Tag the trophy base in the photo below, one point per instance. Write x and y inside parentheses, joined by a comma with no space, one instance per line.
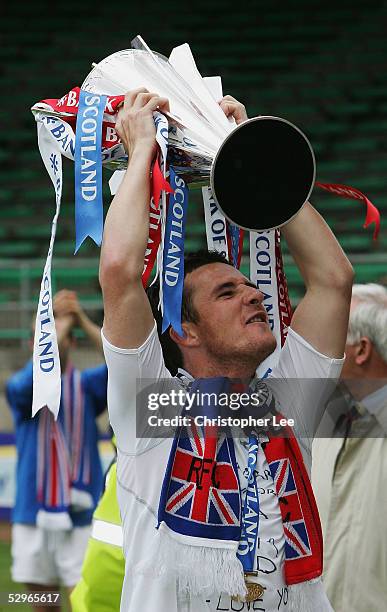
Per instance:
(263,173)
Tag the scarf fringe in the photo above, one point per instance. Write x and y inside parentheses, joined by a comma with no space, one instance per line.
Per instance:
(199,570)
(308,596)
(54,521)
(80,500)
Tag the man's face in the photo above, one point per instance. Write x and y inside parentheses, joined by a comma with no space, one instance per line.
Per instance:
(233,322)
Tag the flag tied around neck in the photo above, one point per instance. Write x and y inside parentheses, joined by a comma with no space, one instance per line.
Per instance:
(201,514)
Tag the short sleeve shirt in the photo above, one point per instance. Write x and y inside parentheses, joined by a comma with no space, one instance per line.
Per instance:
(141,467)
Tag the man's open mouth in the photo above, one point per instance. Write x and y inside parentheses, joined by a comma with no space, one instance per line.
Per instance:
(257,318)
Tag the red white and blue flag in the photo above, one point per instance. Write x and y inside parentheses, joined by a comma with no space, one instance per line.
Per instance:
(296,536)
(300,519)
(200,503)
(201,495)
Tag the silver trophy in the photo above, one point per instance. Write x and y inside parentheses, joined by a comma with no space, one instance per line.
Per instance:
(260,172)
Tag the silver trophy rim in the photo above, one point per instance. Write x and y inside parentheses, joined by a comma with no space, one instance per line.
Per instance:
(115,54)
(250,120)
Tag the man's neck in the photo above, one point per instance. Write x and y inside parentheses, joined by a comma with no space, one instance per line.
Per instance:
(362,387)
(212,369)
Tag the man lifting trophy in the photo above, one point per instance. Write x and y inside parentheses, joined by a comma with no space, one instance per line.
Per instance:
(211,519)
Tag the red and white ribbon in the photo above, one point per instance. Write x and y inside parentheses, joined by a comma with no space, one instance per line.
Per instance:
(344,191)
(160,187)
(267,273)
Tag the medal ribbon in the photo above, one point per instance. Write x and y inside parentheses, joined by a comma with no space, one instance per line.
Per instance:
(88,168)
(173,256)
(283,300)
(159,183)
(159,196)
(235,236)
(250,512)
(154,240)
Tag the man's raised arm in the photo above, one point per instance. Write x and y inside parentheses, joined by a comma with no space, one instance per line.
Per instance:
(322,315)
(128,316)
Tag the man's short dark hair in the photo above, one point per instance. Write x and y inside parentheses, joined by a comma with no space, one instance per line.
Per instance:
(172,354)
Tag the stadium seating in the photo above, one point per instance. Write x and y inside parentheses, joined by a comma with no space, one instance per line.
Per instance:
(320,65)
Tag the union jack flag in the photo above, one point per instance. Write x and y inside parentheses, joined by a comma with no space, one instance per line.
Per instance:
(297,543)
(202,497)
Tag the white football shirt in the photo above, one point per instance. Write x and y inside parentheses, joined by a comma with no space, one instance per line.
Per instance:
(141,465)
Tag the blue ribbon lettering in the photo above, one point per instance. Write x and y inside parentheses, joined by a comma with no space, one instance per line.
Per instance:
(173,256)
(234,232)
(250,514)
(88,168)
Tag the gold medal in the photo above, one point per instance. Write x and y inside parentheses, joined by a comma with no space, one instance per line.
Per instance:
(254,590)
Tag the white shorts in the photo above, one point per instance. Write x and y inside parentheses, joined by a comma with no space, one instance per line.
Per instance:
(47,557)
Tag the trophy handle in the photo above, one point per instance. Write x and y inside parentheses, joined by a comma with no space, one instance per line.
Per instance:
(263,173)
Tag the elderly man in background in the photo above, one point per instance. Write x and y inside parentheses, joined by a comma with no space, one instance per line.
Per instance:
(350,468)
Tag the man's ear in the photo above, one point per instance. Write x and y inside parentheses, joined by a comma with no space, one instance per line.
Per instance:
(363,351)
(189,338)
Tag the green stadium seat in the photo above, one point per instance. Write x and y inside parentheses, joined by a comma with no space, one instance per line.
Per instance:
(6,200)
(14,334)
(339,166)
(39,194)
(322,69)
(328,130)
(372,126)
(21,248)
(193,244)
(33,231)
(351,108)
(355,146)
(21,173)
(4,297)
(4,155)
(20,136)
(370,273)
(74,276)
(357,243)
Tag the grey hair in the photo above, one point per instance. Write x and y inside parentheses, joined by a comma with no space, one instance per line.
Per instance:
(369,316)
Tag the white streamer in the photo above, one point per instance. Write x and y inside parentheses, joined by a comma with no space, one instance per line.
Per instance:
(46,364)
(216,232)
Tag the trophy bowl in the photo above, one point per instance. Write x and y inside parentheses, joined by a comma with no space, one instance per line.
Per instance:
(261,172)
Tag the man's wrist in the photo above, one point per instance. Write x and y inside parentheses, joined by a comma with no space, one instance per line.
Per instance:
(143,153)
(64,324)
(82,319)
